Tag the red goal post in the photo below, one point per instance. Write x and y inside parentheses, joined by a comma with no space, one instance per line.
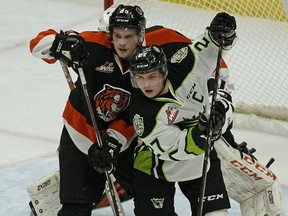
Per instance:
(107,3)
(258,62)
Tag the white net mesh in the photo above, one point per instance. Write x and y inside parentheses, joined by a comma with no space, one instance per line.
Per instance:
(258,62)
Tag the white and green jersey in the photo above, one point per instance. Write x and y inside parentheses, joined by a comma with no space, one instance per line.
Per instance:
(165,124)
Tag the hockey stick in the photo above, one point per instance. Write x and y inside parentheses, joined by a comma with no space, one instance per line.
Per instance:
(67,76)
(209,132)
(110,189)
(115,204)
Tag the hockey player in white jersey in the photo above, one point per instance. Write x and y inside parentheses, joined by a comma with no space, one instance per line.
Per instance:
(169,114)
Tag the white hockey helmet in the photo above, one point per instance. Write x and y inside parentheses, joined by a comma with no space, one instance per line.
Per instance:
(104,20)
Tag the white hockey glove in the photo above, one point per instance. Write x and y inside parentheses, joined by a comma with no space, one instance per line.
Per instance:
(225,98)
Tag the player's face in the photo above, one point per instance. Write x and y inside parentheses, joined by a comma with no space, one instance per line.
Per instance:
(125,41)
(151,84)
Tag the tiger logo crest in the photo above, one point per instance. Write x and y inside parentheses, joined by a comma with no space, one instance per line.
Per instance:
(111,101)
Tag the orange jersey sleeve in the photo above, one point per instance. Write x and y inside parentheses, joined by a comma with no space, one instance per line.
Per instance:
(40,45)
(162,36)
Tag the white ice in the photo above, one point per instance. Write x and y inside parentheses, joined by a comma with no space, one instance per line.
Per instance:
(33,95)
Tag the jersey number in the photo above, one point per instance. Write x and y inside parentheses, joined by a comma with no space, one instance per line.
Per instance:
(158,147)
(201,44)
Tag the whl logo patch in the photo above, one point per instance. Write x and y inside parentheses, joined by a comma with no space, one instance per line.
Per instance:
(106,68)
(158,202)
(172,113)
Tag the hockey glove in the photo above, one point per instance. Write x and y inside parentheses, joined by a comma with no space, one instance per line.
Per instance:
(104,159)
(218,121)
(223,26)
(70,49)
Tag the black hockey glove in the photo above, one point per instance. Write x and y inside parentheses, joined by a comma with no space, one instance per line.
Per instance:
(218,121)
(223,26)
(70,49)
(104,159)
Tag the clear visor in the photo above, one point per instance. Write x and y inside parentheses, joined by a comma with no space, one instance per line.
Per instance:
(150,79)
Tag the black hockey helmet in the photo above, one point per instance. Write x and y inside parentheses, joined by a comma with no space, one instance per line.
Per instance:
(147,59)
(127,16)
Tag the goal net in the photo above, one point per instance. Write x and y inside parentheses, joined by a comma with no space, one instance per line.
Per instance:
(258,62)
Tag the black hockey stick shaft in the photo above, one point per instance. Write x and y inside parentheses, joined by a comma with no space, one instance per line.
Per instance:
(115,204)
(110,189)
(209,133)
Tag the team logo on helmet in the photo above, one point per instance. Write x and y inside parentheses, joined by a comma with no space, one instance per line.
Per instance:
(111,101)
(138,124)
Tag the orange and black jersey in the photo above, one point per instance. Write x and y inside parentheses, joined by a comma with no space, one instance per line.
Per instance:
(169,40)
(108,84)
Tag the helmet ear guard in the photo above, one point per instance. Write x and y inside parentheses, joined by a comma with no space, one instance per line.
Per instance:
(147,59)
(127,16)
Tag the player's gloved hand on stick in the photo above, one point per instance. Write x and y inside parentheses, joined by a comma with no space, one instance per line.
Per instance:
(70,49)
(218,120)
(223,26)
(104,159)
